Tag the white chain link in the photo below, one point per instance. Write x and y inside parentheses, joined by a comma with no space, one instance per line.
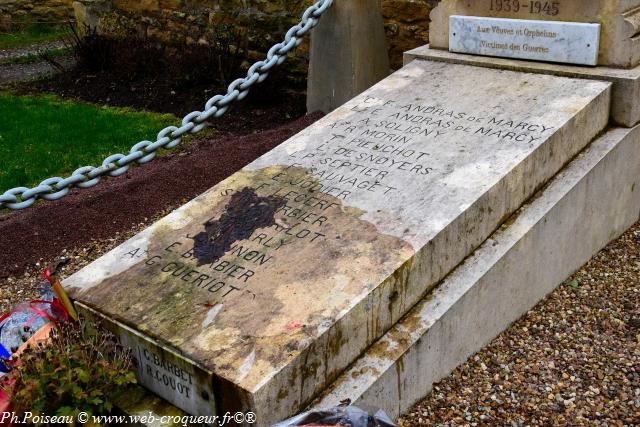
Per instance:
(145,151)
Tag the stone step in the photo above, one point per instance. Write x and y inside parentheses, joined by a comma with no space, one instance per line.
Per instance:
(142,408)
(257,294)
(625,91)
(591,202)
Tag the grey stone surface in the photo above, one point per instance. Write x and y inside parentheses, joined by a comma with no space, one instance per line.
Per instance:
(148,409)
(566,42)
(591,202)
(88,12)
(625,95)
(348,54)
(275,280)
(160,368)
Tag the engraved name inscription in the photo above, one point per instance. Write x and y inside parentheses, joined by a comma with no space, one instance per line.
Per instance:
(382,142)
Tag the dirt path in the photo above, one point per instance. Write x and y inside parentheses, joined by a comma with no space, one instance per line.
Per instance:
(22,52)
(34,70)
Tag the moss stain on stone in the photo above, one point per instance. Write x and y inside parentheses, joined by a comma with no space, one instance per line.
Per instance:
(308,283)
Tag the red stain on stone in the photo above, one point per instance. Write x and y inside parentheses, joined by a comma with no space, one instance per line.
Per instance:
(293,325)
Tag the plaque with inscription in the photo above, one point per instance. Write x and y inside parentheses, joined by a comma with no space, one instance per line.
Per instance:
(619,44)
(273,281)
(566,42)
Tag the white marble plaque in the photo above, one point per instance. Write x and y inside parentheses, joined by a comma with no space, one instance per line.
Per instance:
(567,42)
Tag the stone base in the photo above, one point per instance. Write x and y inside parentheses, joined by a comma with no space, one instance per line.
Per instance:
(625,96)
(344,64)
(143,408)
(160,368)
(257,294)
(591,202)
(88,13)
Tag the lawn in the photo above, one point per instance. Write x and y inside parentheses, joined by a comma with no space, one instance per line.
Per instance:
(38,33)
(44,136)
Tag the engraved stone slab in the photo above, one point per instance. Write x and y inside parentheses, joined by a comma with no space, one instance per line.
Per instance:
(272,282)
(567,42)
(543,244)
(620,21)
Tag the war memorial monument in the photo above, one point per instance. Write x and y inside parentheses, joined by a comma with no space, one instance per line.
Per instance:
(369,255)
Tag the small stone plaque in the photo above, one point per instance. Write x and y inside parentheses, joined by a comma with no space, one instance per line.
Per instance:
(567,42)
(161,369)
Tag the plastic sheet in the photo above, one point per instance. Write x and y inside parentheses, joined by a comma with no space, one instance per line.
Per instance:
(350,416)
(25,320)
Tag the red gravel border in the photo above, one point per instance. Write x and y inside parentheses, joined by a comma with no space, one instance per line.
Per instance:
(117,204)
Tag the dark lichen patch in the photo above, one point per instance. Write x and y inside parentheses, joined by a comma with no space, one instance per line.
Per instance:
(242,216)
(283,393)
(335,342)
(365,370)
(309,281)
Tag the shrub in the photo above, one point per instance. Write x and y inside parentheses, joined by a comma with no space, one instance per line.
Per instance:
(92,51)
(135,57)
(228,48)
(82,368)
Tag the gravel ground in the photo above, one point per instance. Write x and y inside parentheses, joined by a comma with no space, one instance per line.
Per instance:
(16,289)
(34,70)
(14,73)
(30,50)
(573,360)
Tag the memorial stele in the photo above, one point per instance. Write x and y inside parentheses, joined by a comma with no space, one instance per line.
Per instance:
(619,20)
(257,294)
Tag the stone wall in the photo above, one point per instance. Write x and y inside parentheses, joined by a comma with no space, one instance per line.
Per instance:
(406,25)
(191,21)
(21,12)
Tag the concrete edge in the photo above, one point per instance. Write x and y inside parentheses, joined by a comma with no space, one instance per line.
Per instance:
(148,409)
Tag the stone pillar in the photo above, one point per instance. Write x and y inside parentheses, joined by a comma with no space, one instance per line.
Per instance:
(348,54)
(5,22)
(88,13)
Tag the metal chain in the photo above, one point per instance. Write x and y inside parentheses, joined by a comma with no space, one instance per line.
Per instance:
(143,152)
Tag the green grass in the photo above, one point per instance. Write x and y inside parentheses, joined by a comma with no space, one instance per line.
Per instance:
(44,136)
(38,33)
